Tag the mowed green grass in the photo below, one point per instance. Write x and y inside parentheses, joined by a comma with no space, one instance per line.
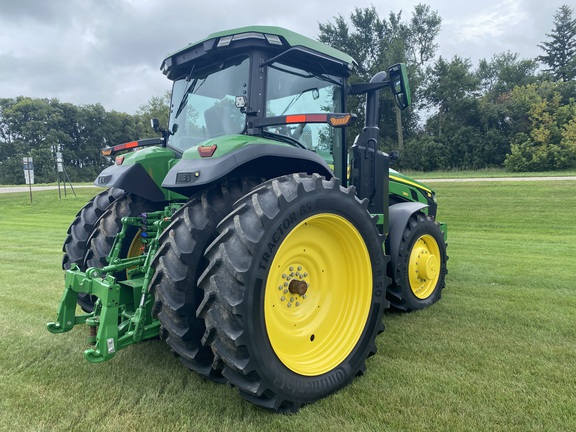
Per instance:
(497,353)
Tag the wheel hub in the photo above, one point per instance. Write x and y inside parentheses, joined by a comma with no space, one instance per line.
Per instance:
(427,266)
(298,287)
(294,287)
(424,266)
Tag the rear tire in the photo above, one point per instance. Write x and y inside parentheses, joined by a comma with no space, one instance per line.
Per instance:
(76,244)
(421,265)
(179,263)
(110,224)
(294,291)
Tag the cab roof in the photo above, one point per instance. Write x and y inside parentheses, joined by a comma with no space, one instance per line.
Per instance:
(276,40)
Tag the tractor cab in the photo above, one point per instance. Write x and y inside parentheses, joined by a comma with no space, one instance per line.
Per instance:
(270,84)
(258,81)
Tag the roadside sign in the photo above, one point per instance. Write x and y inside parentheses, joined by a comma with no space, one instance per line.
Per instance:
(28,170)
(59,162)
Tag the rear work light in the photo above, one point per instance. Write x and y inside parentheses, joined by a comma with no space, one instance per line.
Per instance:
(333,119)
(111,151)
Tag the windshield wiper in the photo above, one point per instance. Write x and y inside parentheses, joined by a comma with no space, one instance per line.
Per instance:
(184,101)
(284,138)
(295,98)
(189,88)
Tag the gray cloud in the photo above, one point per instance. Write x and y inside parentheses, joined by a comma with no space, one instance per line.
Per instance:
(109,51)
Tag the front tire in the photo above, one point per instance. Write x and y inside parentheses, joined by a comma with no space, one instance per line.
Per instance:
(294,292)
(421,265)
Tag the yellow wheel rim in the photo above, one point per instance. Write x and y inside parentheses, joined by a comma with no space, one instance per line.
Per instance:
(318,294)
(424,266)
(136,249)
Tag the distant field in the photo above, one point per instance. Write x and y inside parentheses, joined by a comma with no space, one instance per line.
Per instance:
(497,353)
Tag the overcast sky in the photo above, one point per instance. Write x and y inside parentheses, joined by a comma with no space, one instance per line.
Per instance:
(109,51)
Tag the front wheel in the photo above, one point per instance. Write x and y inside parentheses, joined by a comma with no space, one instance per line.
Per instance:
(294,291)
(420,266)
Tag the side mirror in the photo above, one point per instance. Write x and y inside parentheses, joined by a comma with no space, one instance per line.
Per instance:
(155,124)
(399,85)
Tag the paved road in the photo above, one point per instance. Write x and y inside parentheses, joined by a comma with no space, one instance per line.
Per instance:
(497,179)
(455,180)
(39,188)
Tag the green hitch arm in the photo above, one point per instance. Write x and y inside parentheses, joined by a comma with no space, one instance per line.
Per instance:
(141,330)
(122,313)
(66,317)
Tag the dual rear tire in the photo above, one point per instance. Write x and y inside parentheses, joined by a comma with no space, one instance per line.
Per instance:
(294,291)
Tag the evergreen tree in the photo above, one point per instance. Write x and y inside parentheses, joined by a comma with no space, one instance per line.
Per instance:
(560,49)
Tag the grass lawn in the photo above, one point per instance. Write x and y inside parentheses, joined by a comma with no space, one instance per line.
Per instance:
(497,353)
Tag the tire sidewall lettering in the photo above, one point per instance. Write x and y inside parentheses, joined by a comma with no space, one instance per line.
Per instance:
(277,232)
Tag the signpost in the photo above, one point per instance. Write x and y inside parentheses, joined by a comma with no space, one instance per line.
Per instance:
(29,173)
(60,169)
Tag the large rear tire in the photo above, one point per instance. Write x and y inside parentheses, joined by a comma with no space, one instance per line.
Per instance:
(76,244)
(294,291)
(420,266)
(179,263)
(110,224)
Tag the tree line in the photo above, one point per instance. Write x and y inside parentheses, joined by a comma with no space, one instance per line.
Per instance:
(40,127)
(508,112)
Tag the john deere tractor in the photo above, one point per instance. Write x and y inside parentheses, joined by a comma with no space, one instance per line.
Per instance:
(250,236)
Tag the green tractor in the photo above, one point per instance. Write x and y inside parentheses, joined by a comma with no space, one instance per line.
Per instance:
(249,236)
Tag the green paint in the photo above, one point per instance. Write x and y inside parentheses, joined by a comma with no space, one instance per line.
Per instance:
(122,314)
(227,144)
(293,40)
